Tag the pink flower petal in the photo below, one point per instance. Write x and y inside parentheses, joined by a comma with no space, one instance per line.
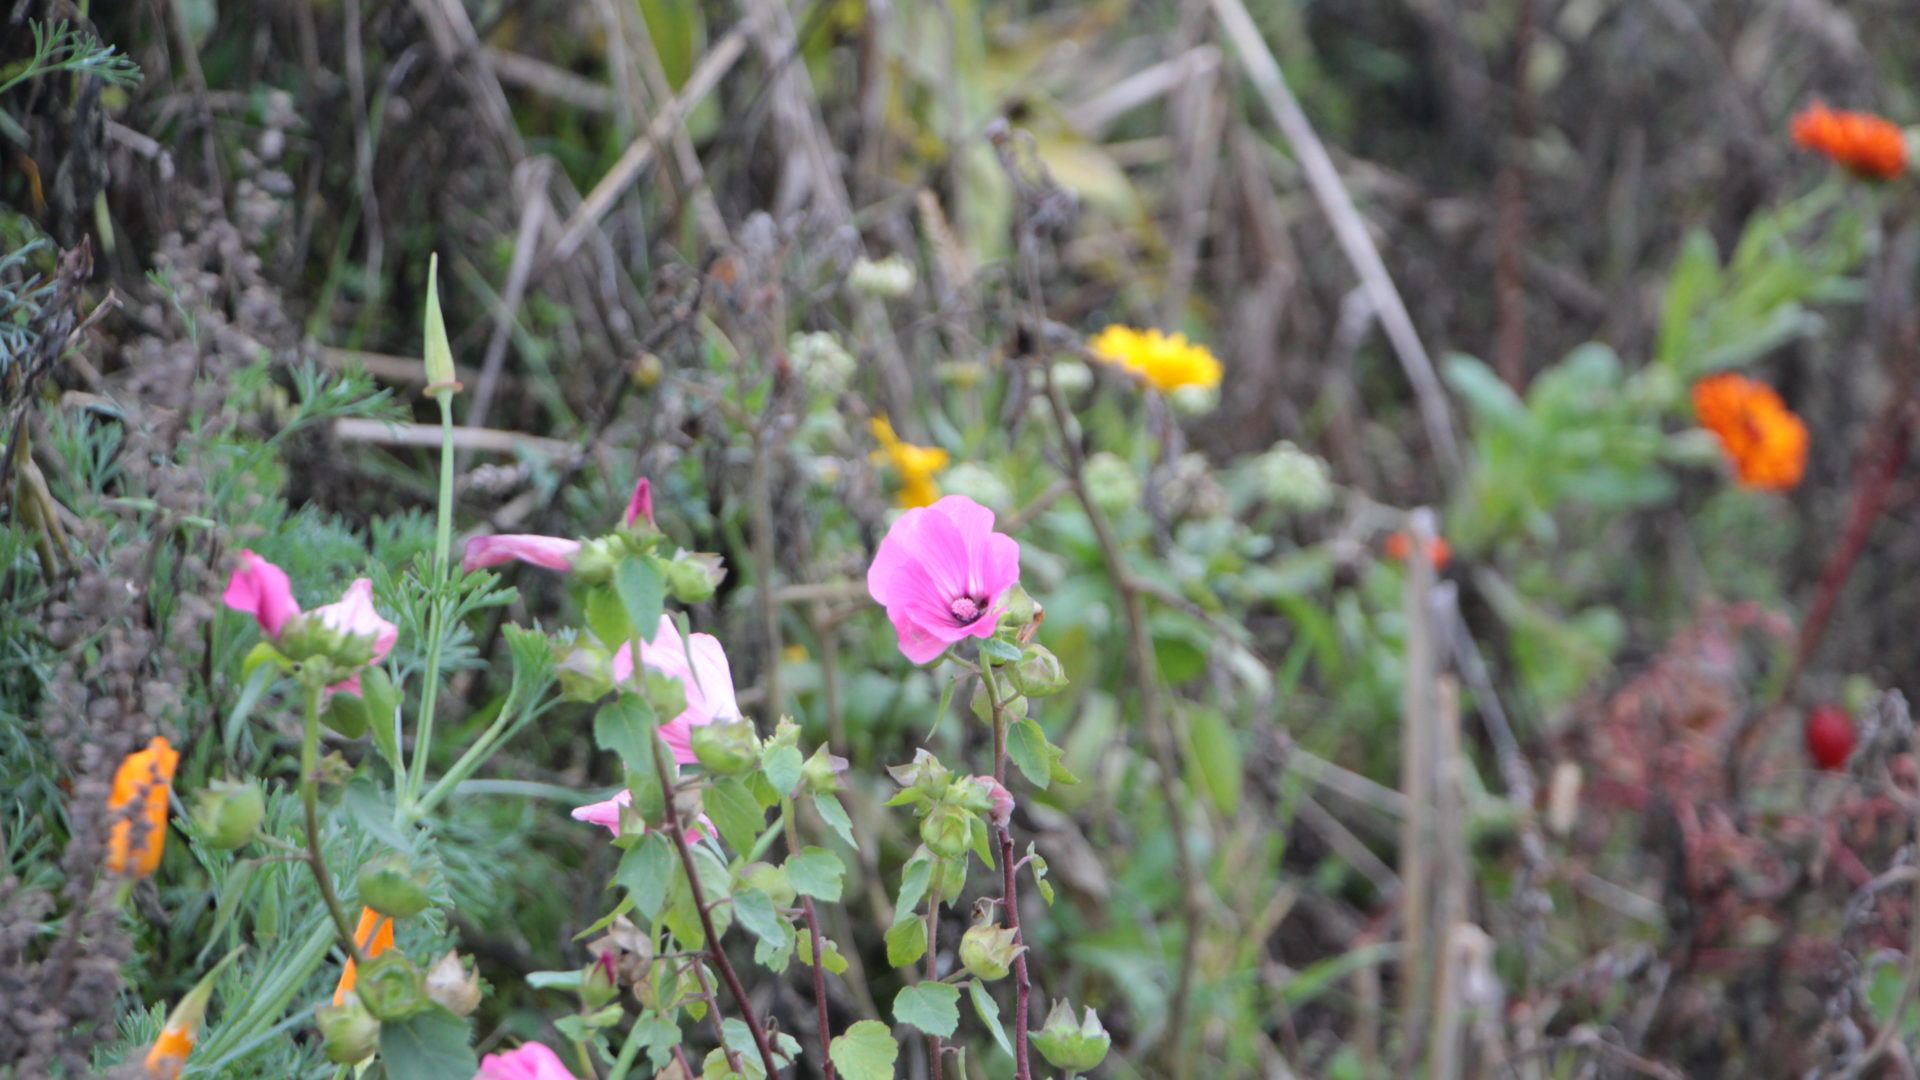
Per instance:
(552,552)
(531,1061)
(705,677)
(641,505)
(605,813)
(261,589)
(354,614)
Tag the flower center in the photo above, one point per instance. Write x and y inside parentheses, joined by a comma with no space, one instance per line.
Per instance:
(965,609)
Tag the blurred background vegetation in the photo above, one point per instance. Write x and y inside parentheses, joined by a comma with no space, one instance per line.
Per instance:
(707,243)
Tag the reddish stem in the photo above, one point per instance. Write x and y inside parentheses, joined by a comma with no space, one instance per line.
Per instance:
(1010,894)
(819,987)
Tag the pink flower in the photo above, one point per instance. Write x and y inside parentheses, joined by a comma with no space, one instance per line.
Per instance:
(532,1061)
(942,573)
(354,614)
(998,797)
(700,664)
(552,552)
(261,589)
(607,814)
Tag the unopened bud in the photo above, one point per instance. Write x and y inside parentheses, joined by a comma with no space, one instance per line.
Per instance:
(1039,673)
(346,714)
(585,670)
(391,987)
(946,830)
(392,886)
(726,747)
(453,985)
(923,774)
(228,812)
(820,773)
(1070,1046)
(949,879)
(692,576)
(349,1033)
(987,950)
(599,982)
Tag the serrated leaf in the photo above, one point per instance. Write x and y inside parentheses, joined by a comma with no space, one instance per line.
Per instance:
(1030,752)
(933,1007)
(626,726)
(782,765)
(642,592)
(906,942)
(645,872)
(866,1052)
(816,872)
(429,1045)
(989,1011)
(835,815)
(738,814)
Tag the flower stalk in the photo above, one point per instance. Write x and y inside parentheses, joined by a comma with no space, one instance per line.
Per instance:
(309,799)
(1009,879)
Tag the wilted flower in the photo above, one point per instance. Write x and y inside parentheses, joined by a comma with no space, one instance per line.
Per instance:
(1292,478)
(552,552)
(943,574)
(531,1061)
(373,936)
(915,465)
(454,986)
(987,950)
(890,278)
(1765,441)
(143,780)
(1861,143)
(1166,361)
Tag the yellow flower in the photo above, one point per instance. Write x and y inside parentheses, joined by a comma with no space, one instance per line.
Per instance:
(916,465)
(1168,362)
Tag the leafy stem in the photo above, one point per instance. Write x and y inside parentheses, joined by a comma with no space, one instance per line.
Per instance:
(437,610)
(1009,877)
(792,830)
(310,798)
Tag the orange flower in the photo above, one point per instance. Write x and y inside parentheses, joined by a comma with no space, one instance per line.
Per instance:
(1861,143)
(1399,545)
(146,777)
(169,1053)
(1765,441)
(374,935)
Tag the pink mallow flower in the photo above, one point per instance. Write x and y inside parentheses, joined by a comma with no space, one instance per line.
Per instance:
(531,1061)
(700,664)
(607,815)
(943,574)
(552,552)
(262,590)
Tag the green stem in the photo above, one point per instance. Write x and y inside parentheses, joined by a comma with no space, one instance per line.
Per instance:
(629,1050)
(310,798)
(442,550)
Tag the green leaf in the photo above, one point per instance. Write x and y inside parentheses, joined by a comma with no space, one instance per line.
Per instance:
(830,958)
(782,765)
(816,872)
(755,911)
(835,815)
(866,1052)
(914,880)
(607,618)
(1000,652)
(989,1011)
(1039,867)
(659,1035)
(1216,757)
(429,1045)
(645,872)
(1028,747)
(906,942)
(642,591)
(383,706)
(626,726)
(738,814)
(933,1007)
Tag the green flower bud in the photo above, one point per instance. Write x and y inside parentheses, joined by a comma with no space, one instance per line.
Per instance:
(349,1033)
(1014,707)
(924,774)
(391,987)
(771,880)
(335,769)
(593,564)
(228,812)
(1038,673)
(820,773)
(945,830)
(585,670)
(307,637)
(453,986)
(949,879)
(390,885)
(599,982)
(439,352)
(1020,609)
(1112,483)
(1070,1046)
(987,950)
(726,747)
(692,576)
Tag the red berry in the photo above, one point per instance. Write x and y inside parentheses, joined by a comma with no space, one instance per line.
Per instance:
(1830,737)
